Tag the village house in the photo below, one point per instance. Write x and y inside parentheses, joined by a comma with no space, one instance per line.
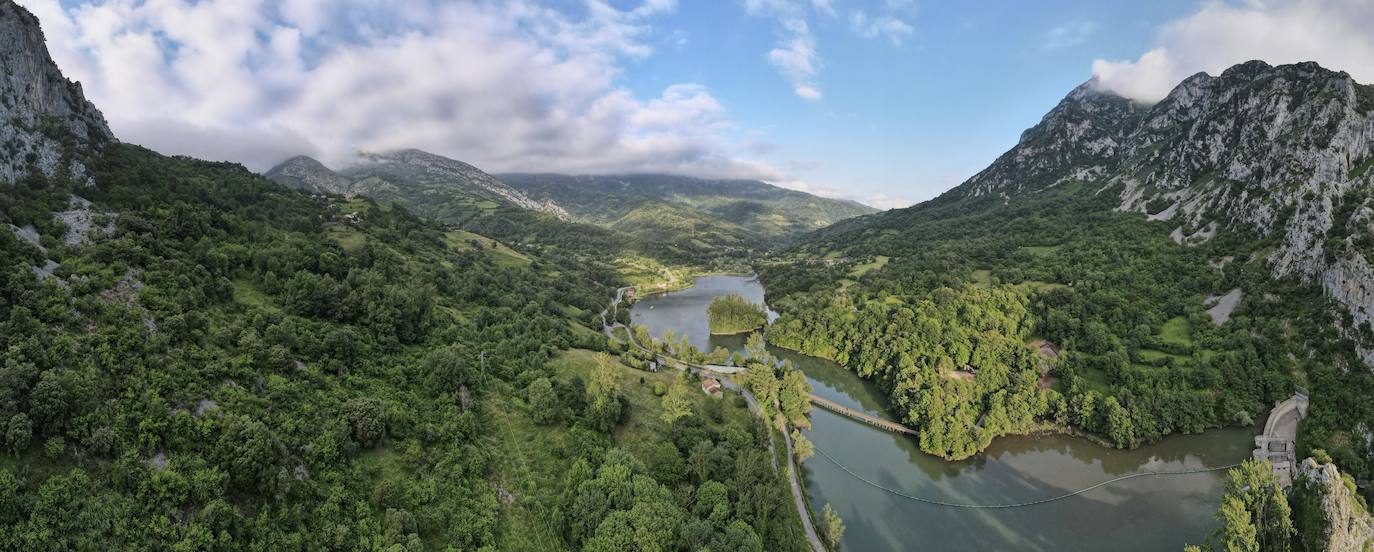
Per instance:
(711,388)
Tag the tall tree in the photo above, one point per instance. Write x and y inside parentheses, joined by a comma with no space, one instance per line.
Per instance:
(831,525)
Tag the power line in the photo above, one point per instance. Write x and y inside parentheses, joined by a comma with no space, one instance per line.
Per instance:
(1016,505)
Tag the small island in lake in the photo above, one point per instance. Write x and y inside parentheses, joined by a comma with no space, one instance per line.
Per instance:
(732,314)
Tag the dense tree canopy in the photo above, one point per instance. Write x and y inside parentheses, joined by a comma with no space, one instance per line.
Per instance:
(226,364)
(948,306)
(732,314)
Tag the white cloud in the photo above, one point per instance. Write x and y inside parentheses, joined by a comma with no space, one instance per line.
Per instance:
(807,91)
(884,26)
(880,201)
(505,85)
(1068,35)
(884,201)
(823,6)
(1334,33)
(795,53)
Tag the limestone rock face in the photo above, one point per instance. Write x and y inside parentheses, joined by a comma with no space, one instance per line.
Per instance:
(45,121)
(1348,527)
(1287,151)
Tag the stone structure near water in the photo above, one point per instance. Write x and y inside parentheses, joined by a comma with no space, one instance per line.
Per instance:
(1278,442)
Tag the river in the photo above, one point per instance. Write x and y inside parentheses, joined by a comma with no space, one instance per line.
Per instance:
(1147,513)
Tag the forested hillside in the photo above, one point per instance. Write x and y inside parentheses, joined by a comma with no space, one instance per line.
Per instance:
(1028,299)
(194,357)
(694,213)
(464,197)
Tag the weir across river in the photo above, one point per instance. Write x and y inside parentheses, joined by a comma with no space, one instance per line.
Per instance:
(869,472)
(864,417)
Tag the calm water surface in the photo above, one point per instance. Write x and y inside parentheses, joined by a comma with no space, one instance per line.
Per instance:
(1148,513)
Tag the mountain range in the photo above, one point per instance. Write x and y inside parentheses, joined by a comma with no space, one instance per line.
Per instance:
(1188,263)
(663,207)
(1282,151)
(409,353)
(682,217)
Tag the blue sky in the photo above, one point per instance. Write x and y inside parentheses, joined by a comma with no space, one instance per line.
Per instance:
(907,119)
(883,101)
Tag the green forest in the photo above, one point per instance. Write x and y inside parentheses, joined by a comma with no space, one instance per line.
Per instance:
(733,314)
(226,364)
(949,324)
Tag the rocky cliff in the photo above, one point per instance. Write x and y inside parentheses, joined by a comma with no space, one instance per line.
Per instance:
(1328,512)
(46,124)
(1285,151)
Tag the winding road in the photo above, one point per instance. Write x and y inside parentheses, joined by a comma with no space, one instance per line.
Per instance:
(793,474)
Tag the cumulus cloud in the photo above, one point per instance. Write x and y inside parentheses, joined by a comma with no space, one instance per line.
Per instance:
(882,26)
(1334,33)
(506,85)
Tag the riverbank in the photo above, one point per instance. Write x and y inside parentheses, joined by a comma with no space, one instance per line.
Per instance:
(1040,428)
(642,292)
(740,332)
(1148,513)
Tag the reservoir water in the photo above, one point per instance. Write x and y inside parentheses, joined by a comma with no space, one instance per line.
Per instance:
(1147,513)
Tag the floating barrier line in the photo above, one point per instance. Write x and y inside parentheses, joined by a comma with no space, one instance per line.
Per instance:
(1019,504)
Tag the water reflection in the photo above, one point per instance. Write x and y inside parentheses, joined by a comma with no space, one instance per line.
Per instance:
(1148,513)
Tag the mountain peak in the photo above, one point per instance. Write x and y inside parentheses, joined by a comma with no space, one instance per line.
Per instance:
(413,171)
(1249,148)
(307,173)
(33,93)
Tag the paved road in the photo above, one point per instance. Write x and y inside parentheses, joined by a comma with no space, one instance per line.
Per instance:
(793,474)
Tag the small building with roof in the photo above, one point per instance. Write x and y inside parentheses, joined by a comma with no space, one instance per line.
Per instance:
(711,388)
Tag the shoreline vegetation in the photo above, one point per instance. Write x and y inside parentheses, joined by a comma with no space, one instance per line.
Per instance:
(1138,357)
(733,314)
(1041,428)
(1031,429)
(644,290)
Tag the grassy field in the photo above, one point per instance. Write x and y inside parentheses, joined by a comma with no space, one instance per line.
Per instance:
(982,278)
(1096,380)
(648,275)
(348,237)
(1041,250)
(878,263)
(500,253)
(1176,330)
(1036,285)
(246,293)
(1151,355)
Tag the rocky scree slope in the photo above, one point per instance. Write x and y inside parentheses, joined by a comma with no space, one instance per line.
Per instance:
(46,124)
